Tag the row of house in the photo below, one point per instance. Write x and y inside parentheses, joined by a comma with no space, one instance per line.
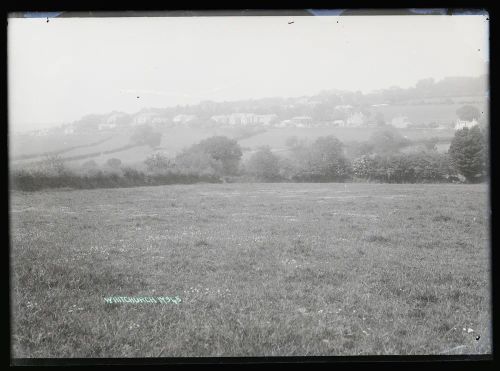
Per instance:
(355,119)
(245,119)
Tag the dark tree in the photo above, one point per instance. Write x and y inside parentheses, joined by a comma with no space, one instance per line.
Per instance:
(222,149)
(468,152)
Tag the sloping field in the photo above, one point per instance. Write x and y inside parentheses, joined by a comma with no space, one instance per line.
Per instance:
(92,147)
(22,145)
(260,269)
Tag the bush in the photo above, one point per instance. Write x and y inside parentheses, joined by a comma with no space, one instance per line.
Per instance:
(195,162)
(323,161)
(35,180)
(404,168)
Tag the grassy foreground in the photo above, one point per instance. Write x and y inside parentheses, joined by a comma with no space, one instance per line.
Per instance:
(261,270)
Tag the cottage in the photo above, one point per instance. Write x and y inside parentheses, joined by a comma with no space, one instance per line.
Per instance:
(107,126)
(181,119)
(356,120)
(460,124)
(302,121)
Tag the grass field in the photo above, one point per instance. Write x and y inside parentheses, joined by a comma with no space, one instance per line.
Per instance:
(261,269)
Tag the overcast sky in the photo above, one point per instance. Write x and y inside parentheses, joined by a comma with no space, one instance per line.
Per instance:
(69,67)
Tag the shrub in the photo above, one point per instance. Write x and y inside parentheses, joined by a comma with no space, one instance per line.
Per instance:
(404,168)
(323,161)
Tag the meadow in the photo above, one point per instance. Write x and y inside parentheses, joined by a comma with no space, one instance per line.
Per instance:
(261,270)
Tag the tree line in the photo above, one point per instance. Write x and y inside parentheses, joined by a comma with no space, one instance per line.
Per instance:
(326,159)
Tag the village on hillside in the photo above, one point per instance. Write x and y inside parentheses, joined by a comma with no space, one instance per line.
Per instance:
(428,105)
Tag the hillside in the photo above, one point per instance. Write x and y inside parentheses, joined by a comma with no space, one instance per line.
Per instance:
(427,110)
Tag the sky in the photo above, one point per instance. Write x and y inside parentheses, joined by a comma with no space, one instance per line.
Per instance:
(61,70)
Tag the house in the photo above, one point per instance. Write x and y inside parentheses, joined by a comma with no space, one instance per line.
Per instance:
(302,121)
(460,124)
(106,126)
(40,132)
(181,118)
(242,118)
(220,119)
(159,120)
(143,118)
(69,130)
(266,120)
(355,120)
(343,107)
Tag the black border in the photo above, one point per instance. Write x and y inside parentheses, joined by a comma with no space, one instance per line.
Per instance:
(186,8)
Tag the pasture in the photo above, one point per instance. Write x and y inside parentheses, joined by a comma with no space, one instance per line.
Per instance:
(261,270)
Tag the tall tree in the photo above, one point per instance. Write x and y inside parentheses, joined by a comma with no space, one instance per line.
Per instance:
(222,149)
(468,152)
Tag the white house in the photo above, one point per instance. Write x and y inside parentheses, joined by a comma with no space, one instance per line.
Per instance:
(266,119)
(302,121)
(143,118)
(343,107)
(106,126)
(356,119)
(41,132)
(159,120)
(460,124)
(69,130)
(183,118)
(220,119)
